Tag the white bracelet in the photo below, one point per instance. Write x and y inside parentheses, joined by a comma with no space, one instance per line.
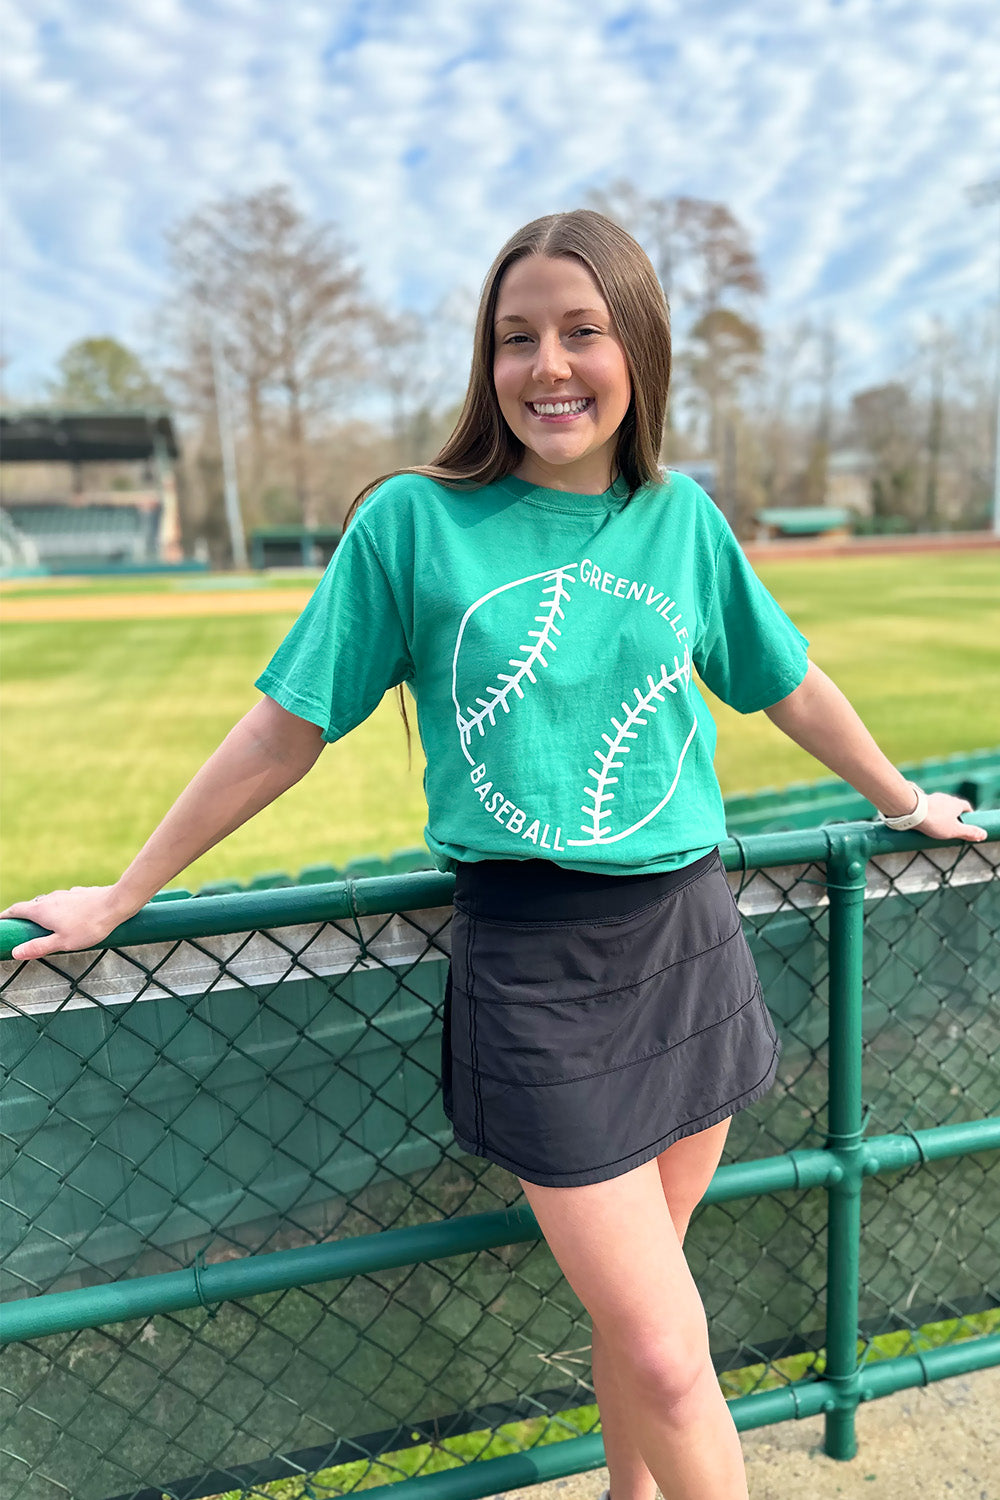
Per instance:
(908,820)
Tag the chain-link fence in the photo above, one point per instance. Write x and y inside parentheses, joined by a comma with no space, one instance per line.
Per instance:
(242,1254)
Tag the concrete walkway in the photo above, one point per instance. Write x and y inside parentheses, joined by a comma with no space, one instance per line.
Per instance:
(937,1442)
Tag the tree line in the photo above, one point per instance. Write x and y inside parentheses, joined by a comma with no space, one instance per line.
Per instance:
(328,387)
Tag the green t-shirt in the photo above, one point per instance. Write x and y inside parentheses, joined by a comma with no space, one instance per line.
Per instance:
(548,640)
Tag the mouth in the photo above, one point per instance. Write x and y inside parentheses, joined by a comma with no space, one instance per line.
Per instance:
(560,411)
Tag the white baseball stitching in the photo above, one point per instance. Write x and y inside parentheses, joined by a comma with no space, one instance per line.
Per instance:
(500,693)
(532,656)
(646,703)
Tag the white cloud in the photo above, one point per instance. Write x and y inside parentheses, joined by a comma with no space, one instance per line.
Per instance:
(843,136)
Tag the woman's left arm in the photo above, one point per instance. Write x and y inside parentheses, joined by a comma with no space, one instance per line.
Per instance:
(818,717)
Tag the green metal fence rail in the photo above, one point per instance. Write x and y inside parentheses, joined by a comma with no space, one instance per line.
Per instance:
(240,1244)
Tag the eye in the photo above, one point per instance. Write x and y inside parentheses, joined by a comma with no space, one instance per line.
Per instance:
(586,332)
(514,337)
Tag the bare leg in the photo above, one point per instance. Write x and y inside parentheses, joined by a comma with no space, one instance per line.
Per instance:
(685,1170)
(618,1249)
(630,1476)
(690,1445)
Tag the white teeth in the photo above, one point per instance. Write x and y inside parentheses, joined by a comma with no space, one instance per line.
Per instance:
(559,408)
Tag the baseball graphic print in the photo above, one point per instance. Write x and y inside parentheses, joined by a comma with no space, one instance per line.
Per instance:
(554,589)
(526,645)
(634,716)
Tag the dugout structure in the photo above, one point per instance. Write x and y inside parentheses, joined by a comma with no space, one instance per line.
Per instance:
(293,546)
(819,523)
(69,528)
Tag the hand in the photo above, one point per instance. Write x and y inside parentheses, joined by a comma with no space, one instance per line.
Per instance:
(78,918)
(942,820)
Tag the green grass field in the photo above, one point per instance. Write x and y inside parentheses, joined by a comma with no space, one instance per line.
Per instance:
(73,587)
(104,721)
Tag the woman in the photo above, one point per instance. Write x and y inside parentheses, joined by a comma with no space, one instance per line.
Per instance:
(546,594)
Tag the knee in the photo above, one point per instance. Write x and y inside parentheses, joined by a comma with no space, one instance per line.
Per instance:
(663,1371)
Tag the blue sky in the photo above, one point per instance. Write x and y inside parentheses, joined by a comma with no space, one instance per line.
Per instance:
(843,133)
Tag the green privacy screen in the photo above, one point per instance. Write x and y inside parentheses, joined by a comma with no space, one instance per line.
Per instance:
(182,1103)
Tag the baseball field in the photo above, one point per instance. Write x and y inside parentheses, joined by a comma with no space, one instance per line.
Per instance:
(115,691)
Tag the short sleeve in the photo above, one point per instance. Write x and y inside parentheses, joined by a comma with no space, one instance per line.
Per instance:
(347,648)
(749,653)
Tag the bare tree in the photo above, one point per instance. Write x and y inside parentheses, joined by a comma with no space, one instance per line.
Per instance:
(885,420)
(724,351)
(815,477)
(723,280)
(657,223)
(719,256)
(775,412)
(288,307)
(936,351)
(970,414)
(706,266)
(950,368)
(398,366)
(699,249)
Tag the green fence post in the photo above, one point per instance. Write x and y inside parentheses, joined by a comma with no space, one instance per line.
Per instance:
(846,876)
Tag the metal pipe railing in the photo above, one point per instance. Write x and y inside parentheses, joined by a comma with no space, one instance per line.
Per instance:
(173,1291)
(250,911)
(845,881)
(844,852)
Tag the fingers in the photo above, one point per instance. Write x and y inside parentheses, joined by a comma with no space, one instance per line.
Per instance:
(969,831)
(945,820)
(21,909)
(38,947)
(69,921)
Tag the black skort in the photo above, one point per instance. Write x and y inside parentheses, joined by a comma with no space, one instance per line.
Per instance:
(592,1020)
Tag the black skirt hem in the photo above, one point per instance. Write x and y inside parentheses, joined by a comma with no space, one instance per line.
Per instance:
(636,1158)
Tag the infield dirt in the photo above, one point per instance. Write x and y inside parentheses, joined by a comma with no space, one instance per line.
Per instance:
(152,606)
(255,600)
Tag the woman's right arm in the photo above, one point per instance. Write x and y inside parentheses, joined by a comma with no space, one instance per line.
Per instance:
(268,751)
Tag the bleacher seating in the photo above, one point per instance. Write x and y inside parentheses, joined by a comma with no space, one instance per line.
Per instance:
(89,534)
(17,549)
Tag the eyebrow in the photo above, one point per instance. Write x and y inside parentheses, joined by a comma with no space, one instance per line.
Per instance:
(574,312)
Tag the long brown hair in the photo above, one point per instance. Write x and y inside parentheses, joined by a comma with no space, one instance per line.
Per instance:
(482,448)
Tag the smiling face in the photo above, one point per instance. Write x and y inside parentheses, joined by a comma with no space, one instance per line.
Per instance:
(560,373)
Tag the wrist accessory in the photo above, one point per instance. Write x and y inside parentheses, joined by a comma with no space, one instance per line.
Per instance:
(908,820)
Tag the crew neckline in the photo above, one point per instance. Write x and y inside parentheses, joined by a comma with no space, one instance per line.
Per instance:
(568,501)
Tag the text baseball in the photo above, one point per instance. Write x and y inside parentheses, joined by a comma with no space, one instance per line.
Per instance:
(510,816)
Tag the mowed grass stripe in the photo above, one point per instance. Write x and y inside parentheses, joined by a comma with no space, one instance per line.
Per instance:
(79,586)
(151,606)
(104,721)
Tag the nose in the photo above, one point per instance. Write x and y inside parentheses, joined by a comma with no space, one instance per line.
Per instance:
(551,362)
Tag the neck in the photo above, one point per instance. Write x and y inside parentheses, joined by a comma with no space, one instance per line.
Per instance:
(589,477)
